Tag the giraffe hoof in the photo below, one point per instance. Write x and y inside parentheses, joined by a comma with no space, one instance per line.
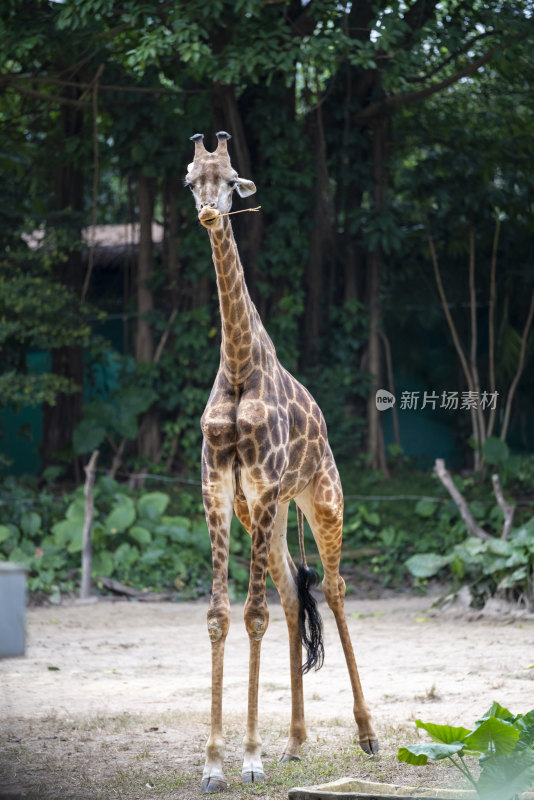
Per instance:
(252,776)
(369,746)
(211,785)
(285,757)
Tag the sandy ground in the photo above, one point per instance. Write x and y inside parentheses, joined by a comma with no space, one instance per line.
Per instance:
(126,672)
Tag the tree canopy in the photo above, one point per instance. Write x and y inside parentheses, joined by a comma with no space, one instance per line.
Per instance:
(391,146)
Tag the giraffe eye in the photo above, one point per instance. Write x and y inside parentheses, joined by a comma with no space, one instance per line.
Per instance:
(232,184)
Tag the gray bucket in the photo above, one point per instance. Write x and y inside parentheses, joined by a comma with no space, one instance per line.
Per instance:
(12,609)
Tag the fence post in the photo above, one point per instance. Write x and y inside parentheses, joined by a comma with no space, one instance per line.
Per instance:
(90,471)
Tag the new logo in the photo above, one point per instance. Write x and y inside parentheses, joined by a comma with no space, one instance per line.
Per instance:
(384,400)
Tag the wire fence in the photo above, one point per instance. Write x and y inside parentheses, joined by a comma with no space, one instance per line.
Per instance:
(379,498)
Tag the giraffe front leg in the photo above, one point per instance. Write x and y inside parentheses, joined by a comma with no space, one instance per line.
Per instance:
(218,504)
(263,512)
(252,770)
(213,779)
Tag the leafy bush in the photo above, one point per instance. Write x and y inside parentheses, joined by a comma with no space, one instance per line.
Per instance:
(488,566)
(503,742)
(135,540)
(380,533)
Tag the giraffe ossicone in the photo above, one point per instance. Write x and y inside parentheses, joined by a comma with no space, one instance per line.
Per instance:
(264,444)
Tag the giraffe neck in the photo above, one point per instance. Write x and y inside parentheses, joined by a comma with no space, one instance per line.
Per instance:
(242,329)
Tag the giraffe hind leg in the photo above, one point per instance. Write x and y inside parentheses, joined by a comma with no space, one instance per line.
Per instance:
(322,504)
(284,574)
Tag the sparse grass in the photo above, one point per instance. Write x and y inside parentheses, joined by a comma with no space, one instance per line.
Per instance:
(132,757)
(431,695)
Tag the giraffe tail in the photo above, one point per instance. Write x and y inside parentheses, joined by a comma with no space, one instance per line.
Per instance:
(310,623)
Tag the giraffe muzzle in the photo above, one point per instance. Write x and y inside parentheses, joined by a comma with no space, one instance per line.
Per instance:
(208,216)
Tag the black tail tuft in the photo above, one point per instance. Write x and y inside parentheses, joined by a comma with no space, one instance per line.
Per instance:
(310,623)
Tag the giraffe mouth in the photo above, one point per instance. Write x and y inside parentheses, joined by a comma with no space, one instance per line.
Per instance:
(209,217)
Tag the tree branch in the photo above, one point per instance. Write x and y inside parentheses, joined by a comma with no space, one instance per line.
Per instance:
(478,413)
(472,526)
(491,321)
(396,101)
(450,58)
(448,315)
(14,79)
(506,508)
(519,371)
(49,98)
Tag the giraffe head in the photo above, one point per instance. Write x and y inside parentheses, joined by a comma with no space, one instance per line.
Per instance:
(212,179)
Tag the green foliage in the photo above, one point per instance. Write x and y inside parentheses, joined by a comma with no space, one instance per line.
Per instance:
(36,313)
(503,742)
(489,566)
(116,417)
(383,532)
(336,384)
(144,539)
(283,73)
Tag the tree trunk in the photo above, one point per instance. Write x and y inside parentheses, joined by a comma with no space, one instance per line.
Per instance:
(320,236)
(59,420)
(172,241)
(375,440)
(144,340)
(148,439)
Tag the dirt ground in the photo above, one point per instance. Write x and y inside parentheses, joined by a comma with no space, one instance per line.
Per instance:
(113,699)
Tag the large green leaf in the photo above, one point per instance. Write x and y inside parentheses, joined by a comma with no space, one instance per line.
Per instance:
(5,533)
(76,510)
(135,399)
(504,777)
(498,711)
(76,543)
(130,403)
(495,451)
(425,565)
(509,581)
(67,531)
(445,734)
(152,555)
(525,725)
(500,547)
(524,536)
(140,534)
(120,517)
(426,507)
(103,564)
(30,522)
(152,505)
(419,754)
(88,436)
(125,555)
(493,737)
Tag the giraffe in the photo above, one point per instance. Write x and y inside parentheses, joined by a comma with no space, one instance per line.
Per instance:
(264,444)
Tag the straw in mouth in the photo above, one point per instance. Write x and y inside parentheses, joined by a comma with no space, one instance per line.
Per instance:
(228,213)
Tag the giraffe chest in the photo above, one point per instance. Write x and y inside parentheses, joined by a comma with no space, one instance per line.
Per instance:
(272,433)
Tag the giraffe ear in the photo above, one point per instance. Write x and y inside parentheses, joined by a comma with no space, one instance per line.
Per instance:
(245,188)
